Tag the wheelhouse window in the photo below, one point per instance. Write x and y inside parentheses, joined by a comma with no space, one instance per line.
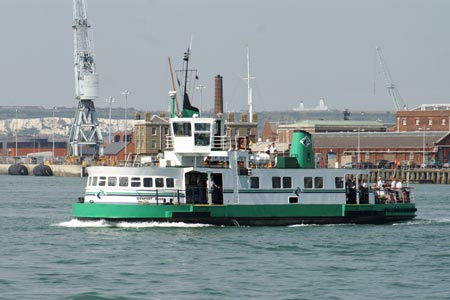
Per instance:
(135,181)
(202,127)
(276,182)
(148,182)
(94,180)
(287,182)
(159,182)
(202,139)
(112,181)
(181,129)
(123,181)
(254,182)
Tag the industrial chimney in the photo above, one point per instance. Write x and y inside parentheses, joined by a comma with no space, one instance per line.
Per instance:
(218,96)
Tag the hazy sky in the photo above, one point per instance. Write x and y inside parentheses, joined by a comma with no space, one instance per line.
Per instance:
(300,50)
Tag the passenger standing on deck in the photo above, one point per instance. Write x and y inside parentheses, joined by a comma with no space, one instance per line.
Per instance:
(351,190)
(380,183)
(363,192)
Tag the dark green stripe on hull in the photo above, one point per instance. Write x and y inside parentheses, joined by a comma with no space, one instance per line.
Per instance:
(247,215)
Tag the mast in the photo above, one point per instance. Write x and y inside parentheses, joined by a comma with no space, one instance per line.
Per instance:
(85,130)
(249,89)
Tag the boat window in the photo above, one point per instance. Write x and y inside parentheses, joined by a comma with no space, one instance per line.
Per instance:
(318,182)
(148,182)
(287,182)
(112,181)
(293,200)
(254,182)
(339,182)
(94,180)
(276,182)
(159,182)
(202,126)
(123,181)
(89,181)
(135,181)
(201,139)
(102,181)
(170,183)
(308,182)
(181,129)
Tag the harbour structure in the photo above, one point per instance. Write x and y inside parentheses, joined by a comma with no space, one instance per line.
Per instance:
(85,131)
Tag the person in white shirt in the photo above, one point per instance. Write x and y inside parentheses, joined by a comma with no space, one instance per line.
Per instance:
(380,183)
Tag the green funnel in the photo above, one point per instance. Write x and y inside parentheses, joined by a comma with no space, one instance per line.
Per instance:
(302,150)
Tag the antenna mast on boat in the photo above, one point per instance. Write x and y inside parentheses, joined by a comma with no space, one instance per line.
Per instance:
(249,89)
(85,130)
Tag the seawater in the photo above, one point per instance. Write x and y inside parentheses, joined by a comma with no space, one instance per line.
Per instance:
(44,254)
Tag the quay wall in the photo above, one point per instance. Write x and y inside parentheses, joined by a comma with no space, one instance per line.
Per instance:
(434,176)
(58,170)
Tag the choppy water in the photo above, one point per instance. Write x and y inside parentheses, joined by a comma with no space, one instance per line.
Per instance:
(46,255)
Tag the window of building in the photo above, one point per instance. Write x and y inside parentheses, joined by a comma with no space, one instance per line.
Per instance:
(123,181)
(276,182)
(102,181)
(287,182)
(153,144)
(443,121)
(148,182)
(159,182)
(170,182)
(430,121)
(254,182)
(417,122)
(153,130)
(135,181)
(112,181)
(166,130)
(404,122)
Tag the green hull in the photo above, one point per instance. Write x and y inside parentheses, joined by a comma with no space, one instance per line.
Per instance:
(247,215)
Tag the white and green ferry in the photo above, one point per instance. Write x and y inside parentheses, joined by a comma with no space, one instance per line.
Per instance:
(200,180)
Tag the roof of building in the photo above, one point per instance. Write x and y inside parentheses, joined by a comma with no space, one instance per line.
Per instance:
(376,139)
(114,148)
(333,123)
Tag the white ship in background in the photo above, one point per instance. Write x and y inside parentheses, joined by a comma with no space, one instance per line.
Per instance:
(320,107)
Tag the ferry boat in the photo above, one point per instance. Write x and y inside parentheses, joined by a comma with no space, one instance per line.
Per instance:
(201,178)
(205,177)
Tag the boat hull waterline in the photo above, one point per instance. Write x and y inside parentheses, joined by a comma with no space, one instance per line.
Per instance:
(247,215)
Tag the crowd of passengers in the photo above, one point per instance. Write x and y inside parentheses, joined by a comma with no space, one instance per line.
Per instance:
(384,193)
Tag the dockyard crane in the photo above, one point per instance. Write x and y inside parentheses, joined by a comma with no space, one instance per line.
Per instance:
(390,86)
(85,130)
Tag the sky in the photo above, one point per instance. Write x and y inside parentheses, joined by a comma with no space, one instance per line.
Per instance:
(300,50)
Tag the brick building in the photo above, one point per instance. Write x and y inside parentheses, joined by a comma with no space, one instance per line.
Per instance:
(432,117)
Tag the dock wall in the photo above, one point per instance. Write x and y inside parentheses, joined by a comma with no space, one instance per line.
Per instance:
(435,176)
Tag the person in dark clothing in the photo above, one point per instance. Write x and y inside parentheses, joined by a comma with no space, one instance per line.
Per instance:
(350,190)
